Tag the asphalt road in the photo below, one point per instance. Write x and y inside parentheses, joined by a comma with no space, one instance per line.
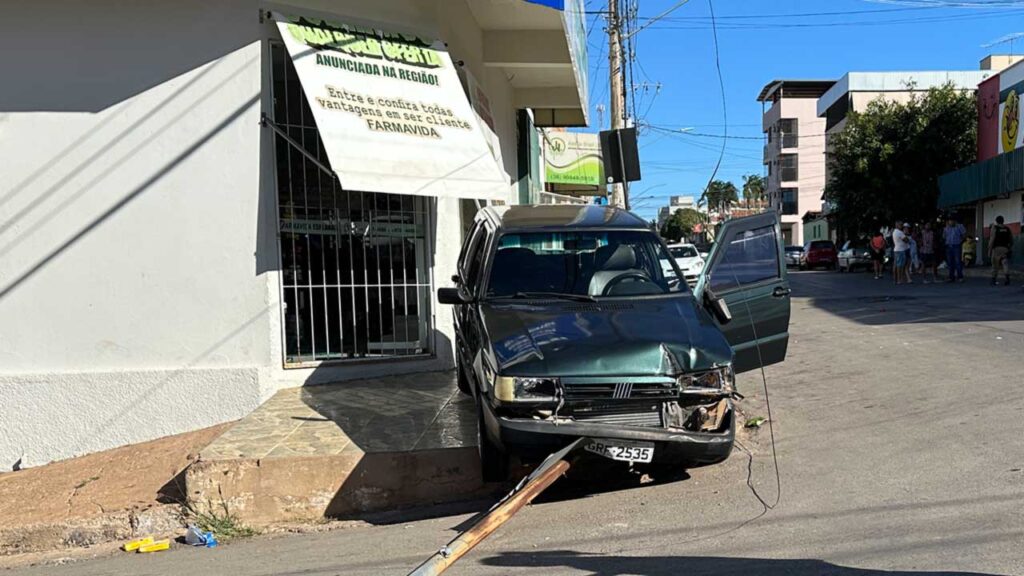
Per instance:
(899,419)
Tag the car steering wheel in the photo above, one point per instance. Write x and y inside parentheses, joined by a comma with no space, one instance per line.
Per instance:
(622,278)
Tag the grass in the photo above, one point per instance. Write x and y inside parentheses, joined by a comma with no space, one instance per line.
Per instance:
(217,518)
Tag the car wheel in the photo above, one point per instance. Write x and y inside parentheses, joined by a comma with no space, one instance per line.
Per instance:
(493,462)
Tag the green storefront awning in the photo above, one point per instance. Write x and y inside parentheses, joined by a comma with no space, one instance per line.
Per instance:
(992,178)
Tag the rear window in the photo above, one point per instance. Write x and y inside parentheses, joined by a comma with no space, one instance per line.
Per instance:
(822,245)
(682,251)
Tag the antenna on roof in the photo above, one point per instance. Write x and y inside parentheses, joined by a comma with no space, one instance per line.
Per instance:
(1007,39)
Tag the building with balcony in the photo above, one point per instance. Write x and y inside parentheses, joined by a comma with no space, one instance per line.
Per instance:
(794,150)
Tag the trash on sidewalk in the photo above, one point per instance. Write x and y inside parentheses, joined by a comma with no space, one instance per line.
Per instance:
(755,422)
(155,546)
(133,545)
(196,537)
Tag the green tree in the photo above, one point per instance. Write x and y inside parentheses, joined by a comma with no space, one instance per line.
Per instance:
(681,224)
(720,195)
(885,164)
(753,189)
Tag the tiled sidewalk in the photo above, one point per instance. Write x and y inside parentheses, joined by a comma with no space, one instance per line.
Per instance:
(395,414)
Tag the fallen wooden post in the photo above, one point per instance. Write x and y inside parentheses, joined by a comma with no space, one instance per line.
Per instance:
(553,467)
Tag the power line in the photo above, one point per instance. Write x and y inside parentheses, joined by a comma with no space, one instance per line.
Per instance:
(725,108)
(702,25)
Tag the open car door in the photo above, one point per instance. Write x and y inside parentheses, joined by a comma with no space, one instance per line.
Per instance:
(747,269)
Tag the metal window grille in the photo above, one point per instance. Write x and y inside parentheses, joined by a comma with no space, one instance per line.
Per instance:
(355,280)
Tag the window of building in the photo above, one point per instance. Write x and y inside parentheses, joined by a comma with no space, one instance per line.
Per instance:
(789,200)
(789,132)
(788,165)
(355,278)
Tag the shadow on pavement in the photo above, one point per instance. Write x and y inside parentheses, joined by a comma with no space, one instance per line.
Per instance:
(859,298)
(691,565)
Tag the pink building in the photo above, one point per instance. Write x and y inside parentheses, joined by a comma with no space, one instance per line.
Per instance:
(794,151)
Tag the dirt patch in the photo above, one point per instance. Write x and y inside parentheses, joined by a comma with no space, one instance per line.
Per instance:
(102,497)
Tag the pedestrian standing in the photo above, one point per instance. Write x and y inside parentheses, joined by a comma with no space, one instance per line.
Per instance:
(999,246)
(928,253)
(877,247)
(953,237)
(900,249)
(915,260)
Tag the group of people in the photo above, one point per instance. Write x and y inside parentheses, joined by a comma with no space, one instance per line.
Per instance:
(919,249)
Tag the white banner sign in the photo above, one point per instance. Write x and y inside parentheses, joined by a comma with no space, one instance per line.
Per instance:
(391,111)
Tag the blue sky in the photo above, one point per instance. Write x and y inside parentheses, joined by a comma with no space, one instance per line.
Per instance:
(761,40)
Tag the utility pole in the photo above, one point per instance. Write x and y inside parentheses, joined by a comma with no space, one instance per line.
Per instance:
(616,111)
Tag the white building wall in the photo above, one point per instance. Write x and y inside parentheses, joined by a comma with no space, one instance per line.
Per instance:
(139,284)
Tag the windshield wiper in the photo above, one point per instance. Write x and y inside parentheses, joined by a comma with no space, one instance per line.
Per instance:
(558,295)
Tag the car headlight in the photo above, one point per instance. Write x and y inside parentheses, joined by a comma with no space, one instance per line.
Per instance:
(516,389)
(698,265)
(716,379)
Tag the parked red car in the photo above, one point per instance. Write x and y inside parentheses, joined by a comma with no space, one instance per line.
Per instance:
(819,254)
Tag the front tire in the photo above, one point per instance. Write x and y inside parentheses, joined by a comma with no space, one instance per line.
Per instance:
(493,462)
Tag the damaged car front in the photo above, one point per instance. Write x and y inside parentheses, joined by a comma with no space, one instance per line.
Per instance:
(567,326)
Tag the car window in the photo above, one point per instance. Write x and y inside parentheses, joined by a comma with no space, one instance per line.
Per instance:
(594,263)
(682,251)
(822,245)
(750,257)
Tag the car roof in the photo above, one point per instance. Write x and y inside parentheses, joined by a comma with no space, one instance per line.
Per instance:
(562,216)
(681,245)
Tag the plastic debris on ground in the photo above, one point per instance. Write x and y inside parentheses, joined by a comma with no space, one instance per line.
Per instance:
(196,537)
(133,545)
(155,546)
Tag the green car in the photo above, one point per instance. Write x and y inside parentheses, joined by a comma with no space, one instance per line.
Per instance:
(570,323)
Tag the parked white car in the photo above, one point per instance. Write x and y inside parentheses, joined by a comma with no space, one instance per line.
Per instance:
(688,260)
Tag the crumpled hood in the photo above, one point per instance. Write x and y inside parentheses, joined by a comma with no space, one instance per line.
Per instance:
(641,337)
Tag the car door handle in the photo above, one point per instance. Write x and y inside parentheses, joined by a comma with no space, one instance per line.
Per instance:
(781,292)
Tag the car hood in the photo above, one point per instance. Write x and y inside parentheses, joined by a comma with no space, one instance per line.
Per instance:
(688,262)
(640,337)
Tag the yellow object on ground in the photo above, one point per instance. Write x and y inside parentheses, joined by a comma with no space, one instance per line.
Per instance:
(133,545)
(155,546)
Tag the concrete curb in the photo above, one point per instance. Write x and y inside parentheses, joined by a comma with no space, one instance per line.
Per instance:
(164,520)
(261,492)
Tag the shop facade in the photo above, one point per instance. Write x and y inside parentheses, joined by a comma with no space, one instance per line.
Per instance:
(994,186)
(181,236)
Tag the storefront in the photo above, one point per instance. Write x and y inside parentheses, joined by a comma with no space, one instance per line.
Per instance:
(197,223)
(994,186)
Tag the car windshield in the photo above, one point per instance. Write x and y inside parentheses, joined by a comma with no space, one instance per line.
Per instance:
(682,251)
(582,263)
(821,245)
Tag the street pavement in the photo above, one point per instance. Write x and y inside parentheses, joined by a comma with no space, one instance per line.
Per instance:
(899,425)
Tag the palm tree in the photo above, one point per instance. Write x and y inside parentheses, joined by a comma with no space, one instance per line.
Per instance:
(753,189)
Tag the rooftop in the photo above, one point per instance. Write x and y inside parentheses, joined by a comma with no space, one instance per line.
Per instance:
(522,217)
(794,89)
(899,82)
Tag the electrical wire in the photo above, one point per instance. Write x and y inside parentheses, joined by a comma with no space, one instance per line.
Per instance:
(725,108)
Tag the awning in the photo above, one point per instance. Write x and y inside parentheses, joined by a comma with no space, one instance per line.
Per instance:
(391,111)
(993,178)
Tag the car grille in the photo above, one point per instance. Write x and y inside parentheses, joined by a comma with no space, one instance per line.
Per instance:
(621,391)
(646,415)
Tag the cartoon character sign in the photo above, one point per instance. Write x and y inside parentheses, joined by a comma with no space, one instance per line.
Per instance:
(1010,121)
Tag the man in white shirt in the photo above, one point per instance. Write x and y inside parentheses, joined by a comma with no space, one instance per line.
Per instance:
(900,249)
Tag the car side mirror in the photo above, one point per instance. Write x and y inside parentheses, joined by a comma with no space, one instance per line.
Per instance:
(452,296)
(718,307)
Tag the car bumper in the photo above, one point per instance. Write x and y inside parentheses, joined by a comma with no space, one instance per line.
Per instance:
(534,439)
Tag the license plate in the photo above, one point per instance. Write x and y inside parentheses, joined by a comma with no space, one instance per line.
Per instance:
(622,450)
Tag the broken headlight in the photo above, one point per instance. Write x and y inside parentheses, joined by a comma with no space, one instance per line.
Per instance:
(716,379)
(516,389)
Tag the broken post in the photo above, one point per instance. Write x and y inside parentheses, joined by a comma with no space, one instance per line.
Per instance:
(553,467)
